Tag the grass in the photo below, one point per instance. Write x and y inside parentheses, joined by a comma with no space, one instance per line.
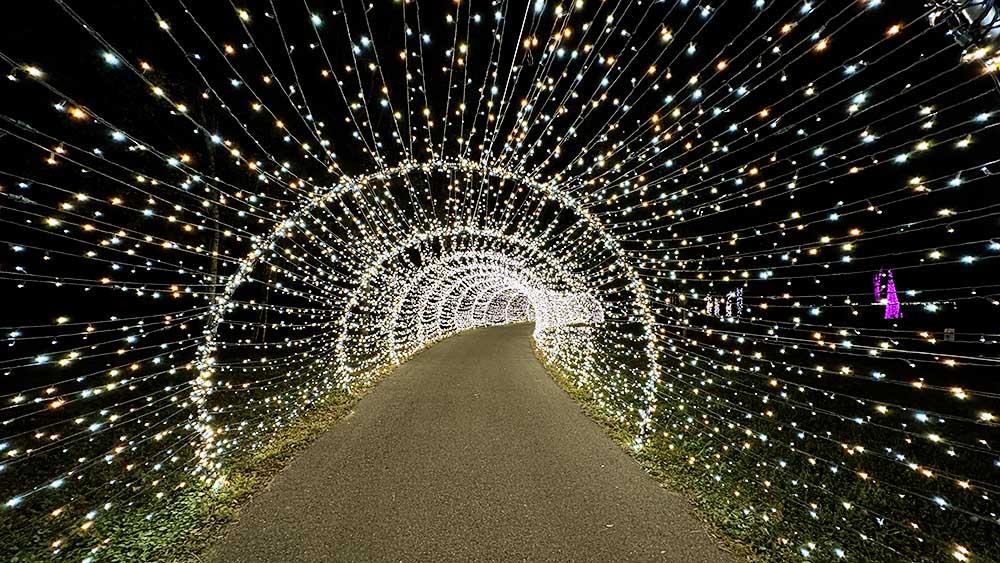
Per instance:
(789,511)
(183,526)
(670,474)
(204,516)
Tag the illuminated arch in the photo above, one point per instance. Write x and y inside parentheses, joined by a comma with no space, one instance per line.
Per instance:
(555,297)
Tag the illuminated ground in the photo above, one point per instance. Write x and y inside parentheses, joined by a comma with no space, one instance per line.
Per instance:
(470,452)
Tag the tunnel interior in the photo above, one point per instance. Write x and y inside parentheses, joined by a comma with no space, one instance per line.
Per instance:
(411,270)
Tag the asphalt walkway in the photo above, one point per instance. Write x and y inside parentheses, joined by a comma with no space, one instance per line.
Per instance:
(469,453)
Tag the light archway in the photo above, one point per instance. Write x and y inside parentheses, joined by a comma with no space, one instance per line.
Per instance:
(415,267)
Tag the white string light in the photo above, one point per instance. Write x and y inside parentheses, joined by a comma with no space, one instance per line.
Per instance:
(221,224)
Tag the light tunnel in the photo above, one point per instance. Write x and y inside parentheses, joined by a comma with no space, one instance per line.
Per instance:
(321,305)
(759,237)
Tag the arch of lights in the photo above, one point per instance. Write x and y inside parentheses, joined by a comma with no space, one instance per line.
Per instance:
(389,292)
(767,248)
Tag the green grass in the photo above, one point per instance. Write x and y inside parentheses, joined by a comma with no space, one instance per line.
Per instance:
(182,527)
(665,469)
(765,512)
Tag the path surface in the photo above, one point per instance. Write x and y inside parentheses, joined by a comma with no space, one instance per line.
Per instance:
(469,453)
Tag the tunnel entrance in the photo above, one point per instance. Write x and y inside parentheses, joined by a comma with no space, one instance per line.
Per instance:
(414,267)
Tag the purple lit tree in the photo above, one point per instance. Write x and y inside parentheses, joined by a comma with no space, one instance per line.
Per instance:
(892,302)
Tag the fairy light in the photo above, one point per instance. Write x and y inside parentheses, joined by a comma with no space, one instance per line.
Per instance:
(690,213)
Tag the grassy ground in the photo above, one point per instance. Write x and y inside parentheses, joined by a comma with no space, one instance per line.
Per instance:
(787,511)
(182,528)
(200,518)
(662,469)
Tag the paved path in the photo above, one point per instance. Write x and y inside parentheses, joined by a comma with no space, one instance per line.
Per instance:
(469,453)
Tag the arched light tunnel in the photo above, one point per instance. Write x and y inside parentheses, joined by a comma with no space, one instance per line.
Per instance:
(365,298)
(758,237)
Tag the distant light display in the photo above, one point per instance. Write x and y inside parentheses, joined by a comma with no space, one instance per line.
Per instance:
(729,306)
(891,299)
(216,216)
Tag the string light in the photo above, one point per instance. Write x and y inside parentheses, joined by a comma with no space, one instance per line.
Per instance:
(690,211)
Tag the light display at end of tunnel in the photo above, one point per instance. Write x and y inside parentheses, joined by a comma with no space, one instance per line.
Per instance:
(763,235)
